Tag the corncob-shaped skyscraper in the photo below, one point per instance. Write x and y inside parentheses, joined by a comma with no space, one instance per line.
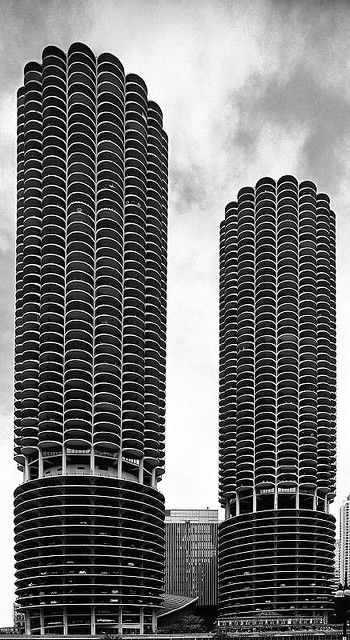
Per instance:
(90,346)
(277,402)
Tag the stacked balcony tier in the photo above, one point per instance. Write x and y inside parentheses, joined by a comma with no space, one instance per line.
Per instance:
(281,566)
(91,261)
(89,553)
(277,343)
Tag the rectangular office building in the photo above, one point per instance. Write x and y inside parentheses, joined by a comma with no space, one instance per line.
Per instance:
(191,554)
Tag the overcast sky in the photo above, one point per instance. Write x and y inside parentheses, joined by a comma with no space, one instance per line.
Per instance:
(247,89)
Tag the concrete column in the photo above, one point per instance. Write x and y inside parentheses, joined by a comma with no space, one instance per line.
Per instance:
(64,461)
(26,470)
(275,499)
(297,499)
(93,621)
(120,620)
(154,621)
(40,464)
(92,460)
(314,502)
(26,624)
(326,504)
(154,479)
(141,471)
(42,622)
(120,463)
(237,505)
(142,619)
(227,510)
(65,620)
(254,501)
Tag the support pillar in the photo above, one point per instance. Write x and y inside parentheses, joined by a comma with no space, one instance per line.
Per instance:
(154,621)
(120,463)
(237,505)
(254,501)
(120,620)
(93,621)
(26,624)
(40,464)
(153,478)
(275,499)
(65,622)
(227,510)
(26,470)
(142,619)
(92,461)
(326,504)
(64,461)
(42,622)
(314,502)
(297,502)
(141,471)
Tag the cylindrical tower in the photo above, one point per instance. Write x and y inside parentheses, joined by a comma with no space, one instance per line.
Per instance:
(90,346)
(277,402)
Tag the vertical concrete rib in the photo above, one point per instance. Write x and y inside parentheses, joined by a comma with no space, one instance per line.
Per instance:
(32,181)
(134,266)
(154,326)
(19,280)
(307,338)
(228,353)
(265,337)
(288,320)
(245,342)
(109,251)
(53,267)
(80,246)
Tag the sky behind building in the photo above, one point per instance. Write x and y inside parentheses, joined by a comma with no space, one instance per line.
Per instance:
(247,89)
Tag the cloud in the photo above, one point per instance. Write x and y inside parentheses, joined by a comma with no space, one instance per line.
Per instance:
(315,118)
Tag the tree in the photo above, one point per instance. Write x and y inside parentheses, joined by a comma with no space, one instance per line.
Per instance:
(187,624)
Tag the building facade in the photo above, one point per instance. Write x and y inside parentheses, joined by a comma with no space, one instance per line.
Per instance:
(90,346)
(277,403)
(191,554)
(337,573)
(344,541)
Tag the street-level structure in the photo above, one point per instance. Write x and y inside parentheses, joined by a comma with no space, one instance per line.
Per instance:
(191,554)
(90,346)
(277,404)
(344,541)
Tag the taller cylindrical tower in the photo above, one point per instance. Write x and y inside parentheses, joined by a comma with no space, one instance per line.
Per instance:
(277,401)
(90,345)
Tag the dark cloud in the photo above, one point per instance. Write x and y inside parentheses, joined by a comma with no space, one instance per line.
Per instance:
(27,26)
(297,101)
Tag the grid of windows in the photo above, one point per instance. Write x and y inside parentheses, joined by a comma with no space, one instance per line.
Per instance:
(191,554)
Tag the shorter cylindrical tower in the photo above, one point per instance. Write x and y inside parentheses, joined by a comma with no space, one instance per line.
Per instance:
(277,403)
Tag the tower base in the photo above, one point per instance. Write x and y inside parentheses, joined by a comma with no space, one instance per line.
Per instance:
(276,567)
(89,555)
